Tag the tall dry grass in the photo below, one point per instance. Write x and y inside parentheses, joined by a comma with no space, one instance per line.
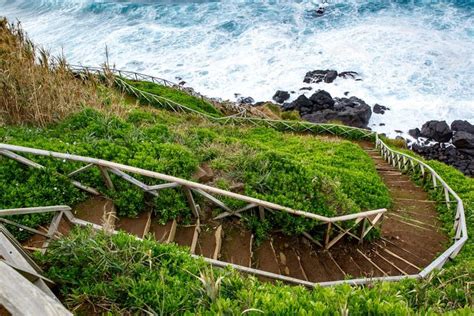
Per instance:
(37,88)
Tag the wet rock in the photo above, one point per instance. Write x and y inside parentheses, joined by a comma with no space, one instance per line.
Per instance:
(461,159)
(306,88)
(437,130)
(330,76)
(382,124)
(462,126)
(302,104)
(321,100)
(348,74)
(352,111)
(281,96)
(380,109)
(415,133)
(245,100)
(463,140)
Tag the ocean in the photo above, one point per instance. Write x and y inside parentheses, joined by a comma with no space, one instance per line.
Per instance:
(416,57)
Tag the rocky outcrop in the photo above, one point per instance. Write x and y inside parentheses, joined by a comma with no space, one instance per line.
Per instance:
(437,130)
(322,108)
(380,109)
(328,76)
(455,145)
(463,140)
(448,154)
(462,126)
(281,96)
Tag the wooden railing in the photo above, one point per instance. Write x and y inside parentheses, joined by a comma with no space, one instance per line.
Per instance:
(409,164)
(240,116)
(360,224)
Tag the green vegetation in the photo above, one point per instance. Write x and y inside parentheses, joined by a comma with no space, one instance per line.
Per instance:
(118,274)
(321,175)
(96,272)
(174,95)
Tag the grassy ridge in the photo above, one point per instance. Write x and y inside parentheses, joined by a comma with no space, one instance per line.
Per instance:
(175,95)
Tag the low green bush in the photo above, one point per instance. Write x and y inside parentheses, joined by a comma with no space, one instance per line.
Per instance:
(120,274)
(23,187)
(327,176)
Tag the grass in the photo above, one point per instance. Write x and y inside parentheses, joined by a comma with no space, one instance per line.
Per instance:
(177,96)
(322,175)
(38,89)
(98,272)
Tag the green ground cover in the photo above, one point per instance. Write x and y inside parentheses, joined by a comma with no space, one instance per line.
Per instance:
(175,95)
(327,176)
(118,274)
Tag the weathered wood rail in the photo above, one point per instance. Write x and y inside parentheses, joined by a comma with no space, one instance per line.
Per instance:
(359,224)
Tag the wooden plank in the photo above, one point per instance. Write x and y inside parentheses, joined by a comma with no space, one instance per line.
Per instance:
(33,210)
(172,233)
(133,181)
(53,228)
(21,297)
(261,212)
(192,204)
(105,175)
(84,168)
(218,236)
(163,186)
(197,230)
(32,230)
(214,200)
(21,159)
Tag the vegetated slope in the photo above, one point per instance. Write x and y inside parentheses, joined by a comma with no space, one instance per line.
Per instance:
(327,176)
(177,96)
(117,273)
(34,91)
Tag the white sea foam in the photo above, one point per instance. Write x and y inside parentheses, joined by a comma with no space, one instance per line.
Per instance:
(418,60)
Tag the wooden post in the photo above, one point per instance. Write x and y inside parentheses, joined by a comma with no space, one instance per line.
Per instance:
(328,235)
(261,212)
(362,231)
(105,175)
(192,204)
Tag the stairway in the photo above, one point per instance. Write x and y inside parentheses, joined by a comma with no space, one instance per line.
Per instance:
(411,237)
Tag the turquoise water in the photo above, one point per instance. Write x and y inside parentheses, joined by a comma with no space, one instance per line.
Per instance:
(416,57)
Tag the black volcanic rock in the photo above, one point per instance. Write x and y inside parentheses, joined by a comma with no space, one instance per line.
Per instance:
(245,100)
(321,100)
(352,111)
(437,130)
(317,76)
(281,96)
(380,109)
(462,126)
(330,76)
(415,133)
(463,140)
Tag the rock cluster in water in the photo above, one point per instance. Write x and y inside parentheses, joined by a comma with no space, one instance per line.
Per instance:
(328,76)
(321,107)
(454,145)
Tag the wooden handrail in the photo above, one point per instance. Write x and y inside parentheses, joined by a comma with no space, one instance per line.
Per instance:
(184,183)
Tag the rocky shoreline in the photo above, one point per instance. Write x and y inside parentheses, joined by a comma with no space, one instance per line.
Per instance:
(453,145)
